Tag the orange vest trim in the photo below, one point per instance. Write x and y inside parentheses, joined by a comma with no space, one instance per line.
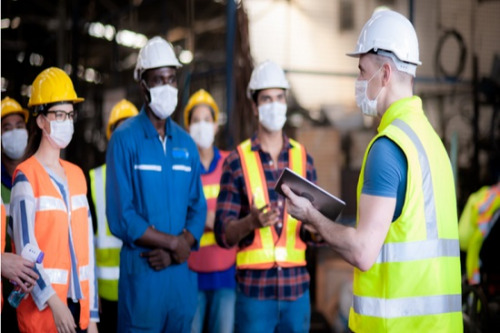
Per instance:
(267,249)
(211,257)
(52,234)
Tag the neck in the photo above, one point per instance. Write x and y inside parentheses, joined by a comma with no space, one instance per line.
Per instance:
(158,124)
(206,156)
(271,142)
(396,92)
(10,164)
(47,154)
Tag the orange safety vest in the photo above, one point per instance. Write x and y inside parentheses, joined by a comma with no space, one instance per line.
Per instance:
(52,235)
(211,257)
(267,249)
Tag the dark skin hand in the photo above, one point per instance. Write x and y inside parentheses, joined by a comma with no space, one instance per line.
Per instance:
(168,249)
(158,259)
(181,253)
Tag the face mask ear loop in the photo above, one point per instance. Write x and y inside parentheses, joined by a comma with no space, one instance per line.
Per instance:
(380,90)
(148,92)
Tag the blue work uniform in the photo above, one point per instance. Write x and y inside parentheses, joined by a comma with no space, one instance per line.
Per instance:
(157,184)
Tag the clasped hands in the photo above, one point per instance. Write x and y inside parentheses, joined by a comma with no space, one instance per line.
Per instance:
(178,253)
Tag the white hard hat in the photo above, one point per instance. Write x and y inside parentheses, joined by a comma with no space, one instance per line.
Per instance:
(267,75)
(390,31)
(156,53)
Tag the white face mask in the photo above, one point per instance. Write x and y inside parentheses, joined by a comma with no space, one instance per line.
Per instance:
(203,133)
(14,142)
(368,106)
(61,133)
(272,115)
(163,100)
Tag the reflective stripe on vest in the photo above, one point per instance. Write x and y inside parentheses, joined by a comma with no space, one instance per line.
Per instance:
(289,250)
(410,306)
(108,273)
(211,191)
(107,246)
(45,203)
(104,238)
(207,239)
(57,276)
(415,281)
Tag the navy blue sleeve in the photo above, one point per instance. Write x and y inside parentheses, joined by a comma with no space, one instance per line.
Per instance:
(386,172)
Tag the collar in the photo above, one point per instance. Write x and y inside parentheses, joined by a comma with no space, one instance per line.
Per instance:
(149,130)
(213,164)
(399,109)
(256,143)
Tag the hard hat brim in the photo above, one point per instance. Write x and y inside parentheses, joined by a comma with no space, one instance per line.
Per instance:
(355,54)
(74,101)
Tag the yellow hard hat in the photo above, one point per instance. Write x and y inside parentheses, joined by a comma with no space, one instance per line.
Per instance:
(200,97)
(10,106)
(122,110)
(51,86)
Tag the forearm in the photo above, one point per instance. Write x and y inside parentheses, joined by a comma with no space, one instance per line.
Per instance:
(340,238)
(359,246)
(153,238)
(236,230)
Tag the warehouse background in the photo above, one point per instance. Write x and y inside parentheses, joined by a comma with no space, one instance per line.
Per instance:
(220,41)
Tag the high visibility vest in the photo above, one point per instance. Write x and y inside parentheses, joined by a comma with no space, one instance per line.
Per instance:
(267,249)
(474,225)
(211,257)
(52,235)
(415,283)
(107,246)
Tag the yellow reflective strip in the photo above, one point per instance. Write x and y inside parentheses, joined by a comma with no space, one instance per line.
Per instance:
(257,256)
(252,164)
(211,191)
(207,239)
(266,236)
(297,158)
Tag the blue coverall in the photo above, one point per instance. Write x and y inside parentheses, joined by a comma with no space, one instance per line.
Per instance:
(147,186)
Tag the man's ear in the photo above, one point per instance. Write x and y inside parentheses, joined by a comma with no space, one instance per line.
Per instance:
(387,73)
(145,91)
(255,109)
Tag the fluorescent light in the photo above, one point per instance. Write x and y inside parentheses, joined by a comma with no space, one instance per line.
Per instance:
(5,23)
(109,32)
(16,21)
(131,39)
(36,59)
(186,56)
(20,57)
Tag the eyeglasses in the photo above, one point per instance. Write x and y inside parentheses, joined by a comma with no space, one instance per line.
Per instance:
(63,115)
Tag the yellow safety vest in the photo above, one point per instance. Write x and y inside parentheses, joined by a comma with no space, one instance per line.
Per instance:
(267,249)
(474,225)
(107,246)
(415,283)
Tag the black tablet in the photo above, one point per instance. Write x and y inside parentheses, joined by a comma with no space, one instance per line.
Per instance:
(328,204)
